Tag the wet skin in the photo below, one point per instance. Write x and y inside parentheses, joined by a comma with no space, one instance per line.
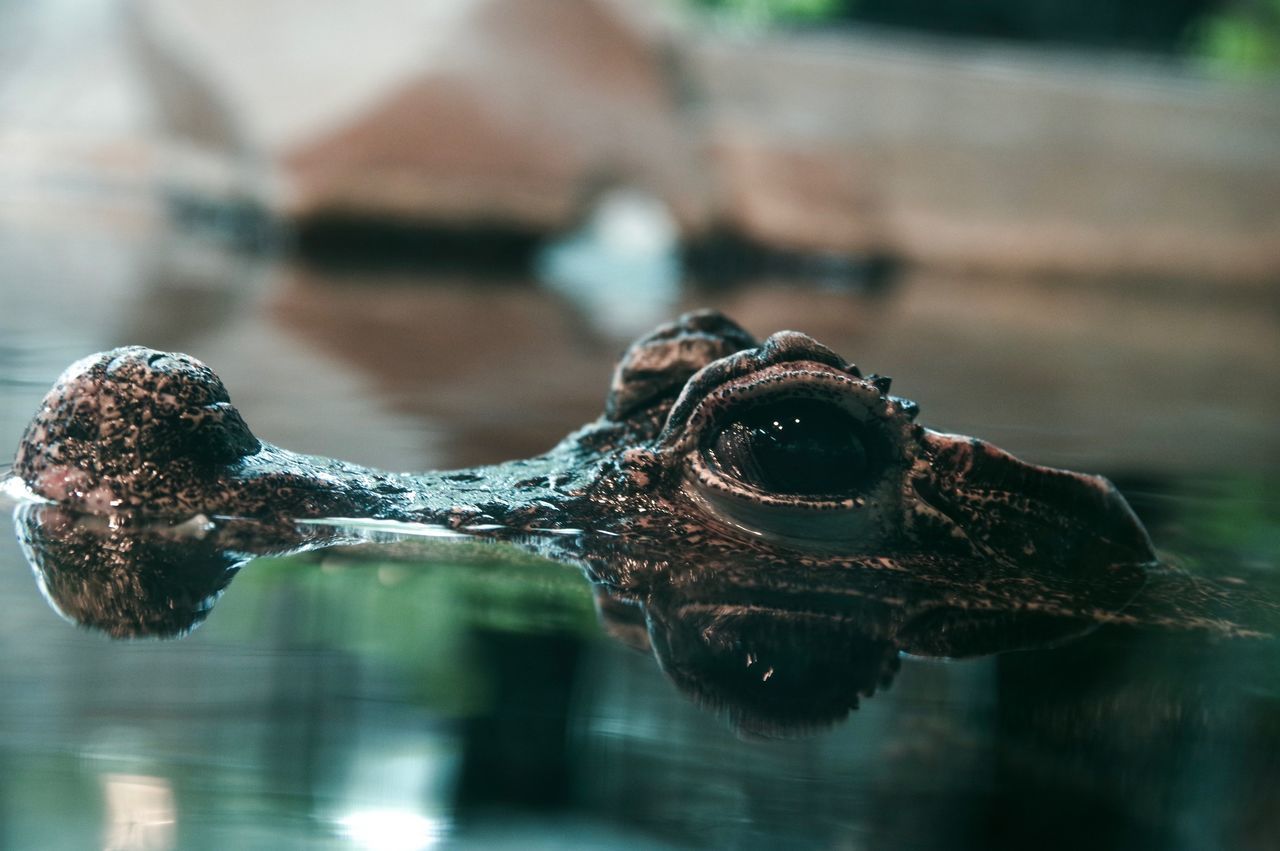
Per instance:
(778,450)
(736,499)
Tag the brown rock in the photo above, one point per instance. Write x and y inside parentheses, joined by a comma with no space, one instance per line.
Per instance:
(527,111)
(993,159)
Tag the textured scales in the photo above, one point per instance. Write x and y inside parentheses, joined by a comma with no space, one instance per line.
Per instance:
(138,433)
(781,609)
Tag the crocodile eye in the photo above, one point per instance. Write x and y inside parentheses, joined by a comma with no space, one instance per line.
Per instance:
(801,447)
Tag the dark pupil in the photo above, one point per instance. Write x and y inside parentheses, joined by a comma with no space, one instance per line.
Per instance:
(798,446)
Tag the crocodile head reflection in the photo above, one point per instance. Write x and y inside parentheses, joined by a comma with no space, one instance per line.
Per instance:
(771,523)
(780,653)
(711,444)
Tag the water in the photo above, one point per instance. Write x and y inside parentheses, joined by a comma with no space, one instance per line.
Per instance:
(427,693)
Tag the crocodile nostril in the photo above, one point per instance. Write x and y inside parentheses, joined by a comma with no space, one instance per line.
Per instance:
(78,428)
(112,415)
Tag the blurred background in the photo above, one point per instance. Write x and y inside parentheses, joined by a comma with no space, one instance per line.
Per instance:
(418,235)
(456,213)
(459,212)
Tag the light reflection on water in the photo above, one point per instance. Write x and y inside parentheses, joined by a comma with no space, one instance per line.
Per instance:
(450,694)
(389,696)
(391,830)
(140,814)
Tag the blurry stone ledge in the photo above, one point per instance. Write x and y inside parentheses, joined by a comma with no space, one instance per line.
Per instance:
(107,123)
(995,159)
(514,116)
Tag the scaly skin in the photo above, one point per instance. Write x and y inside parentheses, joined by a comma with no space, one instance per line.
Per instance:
(783,609)
(141,434)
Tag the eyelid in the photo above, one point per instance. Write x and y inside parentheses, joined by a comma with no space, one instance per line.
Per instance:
(724,405)
(790,380)
(839,521)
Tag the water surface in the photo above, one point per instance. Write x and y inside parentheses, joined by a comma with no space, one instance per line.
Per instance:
(424,693)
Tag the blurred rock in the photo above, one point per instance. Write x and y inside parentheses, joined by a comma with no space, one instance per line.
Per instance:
(516,120)
(104,123)
(993,159)
(516,117)
(803,196)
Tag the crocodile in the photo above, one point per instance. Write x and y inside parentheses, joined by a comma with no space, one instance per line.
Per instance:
(709,439)
(736,500)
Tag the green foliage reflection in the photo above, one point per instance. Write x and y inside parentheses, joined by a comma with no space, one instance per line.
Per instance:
(775,11)
(417,616)
(1239,38)
(1234,519)
(1243,39)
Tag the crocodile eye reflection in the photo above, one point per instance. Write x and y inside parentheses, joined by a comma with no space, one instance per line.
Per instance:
(797,447)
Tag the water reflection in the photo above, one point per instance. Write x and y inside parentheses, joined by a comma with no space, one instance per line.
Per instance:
(277,718)
(140,813)
(390,830)
(159,580)
(778,653)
